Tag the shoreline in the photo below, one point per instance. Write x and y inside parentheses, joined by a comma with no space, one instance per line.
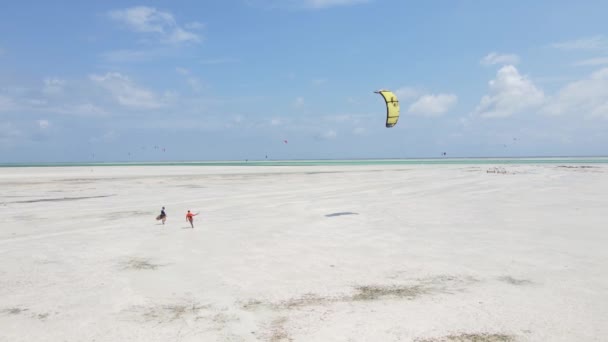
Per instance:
(323,162)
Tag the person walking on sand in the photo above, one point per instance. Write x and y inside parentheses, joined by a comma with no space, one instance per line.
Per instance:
(190,218)
(162,216)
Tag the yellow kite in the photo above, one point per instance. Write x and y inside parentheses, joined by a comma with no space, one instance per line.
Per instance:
(392,107)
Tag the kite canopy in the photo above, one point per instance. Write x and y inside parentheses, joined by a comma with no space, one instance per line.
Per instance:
(392,107)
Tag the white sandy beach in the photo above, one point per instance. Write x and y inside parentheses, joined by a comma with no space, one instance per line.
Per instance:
(411,253)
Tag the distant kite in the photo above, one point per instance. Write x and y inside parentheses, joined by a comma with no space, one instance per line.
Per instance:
(392,107)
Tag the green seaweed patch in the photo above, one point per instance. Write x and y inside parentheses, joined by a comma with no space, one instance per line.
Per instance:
(471,337)
(172,312)
(442,284)
(14,311)
(375,292)
(278,333)
(140,264)
(514,281)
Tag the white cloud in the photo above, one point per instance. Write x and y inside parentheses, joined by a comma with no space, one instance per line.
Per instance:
(195,25)
(144,19)
(195,84)
(424,103)
(494,58)
(341,118)
(213,61)
(331,3)
(53,86)
(180,35)
(8,134)
(351,100)
(589,43)
(586,97)
(238,119)
(593,61)
(150,20)
(35,103)
(328,135)
(304,4)
(84,109)
(276,122)
(319,81)
(43,124)
(510,93)
(331,134)
(107,137)
(26,103)
(7,104)
(182,71)
(299,102)
(359,131)
(433,105)
(192,81)
(110,136)
(407,93)
(126,92)
(120,56)
(7,129)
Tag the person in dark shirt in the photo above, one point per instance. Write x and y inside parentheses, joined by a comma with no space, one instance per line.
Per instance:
(162,216)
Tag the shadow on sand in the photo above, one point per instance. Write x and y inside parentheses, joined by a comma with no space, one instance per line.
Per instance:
(343,213)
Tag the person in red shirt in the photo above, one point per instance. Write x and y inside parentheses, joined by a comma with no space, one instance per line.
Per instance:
(190,218)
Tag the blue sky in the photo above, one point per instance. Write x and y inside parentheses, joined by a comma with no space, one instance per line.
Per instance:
(233,79)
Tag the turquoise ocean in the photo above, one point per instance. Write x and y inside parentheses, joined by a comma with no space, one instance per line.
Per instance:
(436,161)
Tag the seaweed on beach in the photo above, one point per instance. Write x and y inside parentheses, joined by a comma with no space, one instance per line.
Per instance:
(366,293)
(309,299)
(14,311)
(42,316)
(176,311)
(140,264)
(514,281)
(278,331)
(19,311)
(171,312)
(471,337)
(427,286)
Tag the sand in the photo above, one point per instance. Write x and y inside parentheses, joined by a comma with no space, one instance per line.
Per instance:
(304,253)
